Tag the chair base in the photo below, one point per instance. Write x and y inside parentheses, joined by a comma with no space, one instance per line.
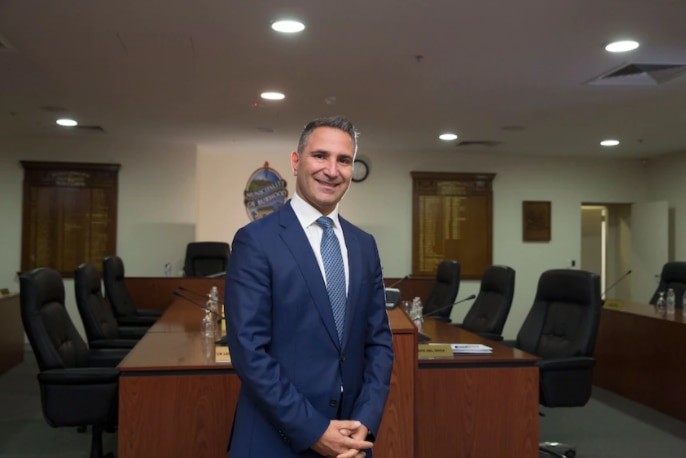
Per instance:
(557,449)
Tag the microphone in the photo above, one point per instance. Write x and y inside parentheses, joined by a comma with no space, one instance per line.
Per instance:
(183,288)
(446,307)
(397,282)
(202,306)
(628,272)
(222,340)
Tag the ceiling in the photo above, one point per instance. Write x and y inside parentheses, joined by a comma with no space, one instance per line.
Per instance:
(404,71)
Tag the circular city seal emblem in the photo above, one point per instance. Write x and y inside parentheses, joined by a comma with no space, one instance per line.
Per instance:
(265,192)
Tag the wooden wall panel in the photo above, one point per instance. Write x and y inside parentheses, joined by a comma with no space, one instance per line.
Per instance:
(477,412)
(176,415)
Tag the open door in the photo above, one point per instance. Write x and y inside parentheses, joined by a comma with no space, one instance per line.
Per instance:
(649,247)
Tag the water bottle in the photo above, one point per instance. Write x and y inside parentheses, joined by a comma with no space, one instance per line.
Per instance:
(671,302)
(416,313)
(661,305)
(208,326)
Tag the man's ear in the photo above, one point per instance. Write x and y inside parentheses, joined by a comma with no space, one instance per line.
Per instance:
(294,162)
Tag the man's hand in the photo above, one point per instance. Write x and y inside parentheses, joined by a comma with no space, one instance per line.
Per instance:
(343,439)
(358,434)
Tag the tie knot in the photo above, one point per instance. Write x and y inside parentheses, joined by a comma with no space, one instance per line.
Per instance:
(325,222)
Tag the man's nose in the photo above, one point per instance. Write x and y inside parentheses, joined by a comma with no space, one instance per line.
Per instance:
(331,168)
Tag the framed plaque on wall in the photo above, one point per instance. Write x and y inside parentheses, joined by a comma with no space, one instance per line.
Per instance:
(452,218)
(536,221)
(69,215)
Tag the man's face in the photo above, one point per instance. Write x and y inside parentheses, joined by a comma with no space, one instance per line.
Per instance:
(324,168)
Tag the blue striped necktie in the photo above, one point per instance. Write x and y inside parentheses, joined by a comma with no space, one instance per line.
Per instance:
(335,273)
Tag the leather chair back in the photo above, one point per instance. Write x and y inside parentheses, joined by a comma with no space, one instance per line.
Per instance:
(53,337)
(115,289)
(673,276)
(489,311)
(96,314)
(445,289)
(206,258)
(561,328)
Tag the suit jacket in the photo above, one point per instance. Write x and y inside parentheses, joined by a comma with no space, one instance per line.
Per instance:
(284,345)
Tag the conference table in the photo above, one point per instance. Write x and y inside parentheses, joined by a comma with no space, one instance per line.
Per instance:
(641,355)
(176,400)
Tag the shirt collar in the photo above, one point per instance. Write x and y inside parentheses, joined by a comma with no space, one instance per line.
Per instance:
(307,214)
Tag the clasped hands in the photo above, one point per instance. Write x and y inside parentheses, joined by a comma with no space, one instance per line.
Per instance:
(343,439)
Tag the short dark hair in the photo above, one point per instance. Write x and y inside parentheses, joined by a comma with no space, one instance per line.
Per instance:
(336,122)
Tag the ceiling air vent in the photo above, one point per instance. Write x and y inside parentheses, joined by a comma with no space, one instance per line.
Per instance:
(477,143)
(639,75)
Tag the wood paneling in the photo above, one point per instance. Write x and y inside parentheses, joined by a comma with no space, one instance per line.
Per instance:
(11,333)
(177,415)
(477,412)
(641,355)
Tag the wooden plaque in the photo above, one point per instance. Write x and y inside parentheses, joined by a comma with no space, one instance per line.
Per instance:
(69,214)
(452,218)
(536,221)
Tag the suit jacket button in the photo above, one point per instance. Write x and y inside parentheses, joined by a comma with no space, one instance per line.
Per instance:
(342,357)
(333,403)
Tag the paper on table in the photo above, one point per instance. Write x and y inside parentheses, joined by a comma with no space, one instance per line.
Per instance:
(469,348)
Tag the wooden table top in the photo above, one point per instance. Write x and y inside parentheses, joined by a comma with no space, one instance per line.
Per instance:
(647,310)
(175,343)
(447,333)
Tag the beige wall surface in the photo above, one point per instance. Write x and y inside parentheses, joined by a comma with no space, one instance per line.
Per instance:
(170,194)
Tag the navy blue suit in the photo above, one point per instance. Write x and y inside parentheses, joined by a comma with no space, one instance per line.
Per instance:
(283,340)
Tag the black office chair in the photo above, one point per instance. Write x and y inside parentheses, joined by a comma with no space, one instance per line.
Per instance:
(673,276)
(102,329)
(120,299)
(444,290)
(488,313)
(206,258)
(78,386)
(561,329)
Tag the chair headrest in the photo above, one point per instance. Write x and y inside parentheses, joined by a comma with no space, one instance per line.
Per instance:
(567,285)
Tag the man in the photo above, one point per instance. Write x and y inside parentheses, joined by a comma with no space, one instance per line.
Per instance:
(314,376)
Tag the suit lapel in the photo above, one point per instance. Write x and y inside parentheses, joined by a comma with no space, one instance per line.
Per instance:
(355,267)
(294,237)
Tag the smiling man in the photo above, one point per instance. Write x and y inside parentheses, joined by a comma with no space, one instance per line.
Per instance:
(306,320)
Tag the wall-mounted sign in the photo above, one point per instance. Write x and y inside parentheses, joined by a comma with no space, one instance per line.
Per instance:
(265,192)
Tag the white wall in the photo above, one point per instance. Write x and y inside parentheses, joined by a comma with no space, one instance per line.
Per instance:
(667,181)
(382,204)
(156,208)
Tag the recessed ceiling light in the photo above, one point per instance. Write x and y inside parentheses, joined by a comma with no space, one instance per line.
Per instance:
(610,142)
(448,137)
(66,122)
(272,96)
(621,46)
(288,26)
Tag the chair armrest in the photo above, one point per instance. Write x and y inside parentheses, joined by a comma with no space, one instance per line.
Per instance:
(132,332)
(79,376)
(112,343)
(106,357)
(571,363)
